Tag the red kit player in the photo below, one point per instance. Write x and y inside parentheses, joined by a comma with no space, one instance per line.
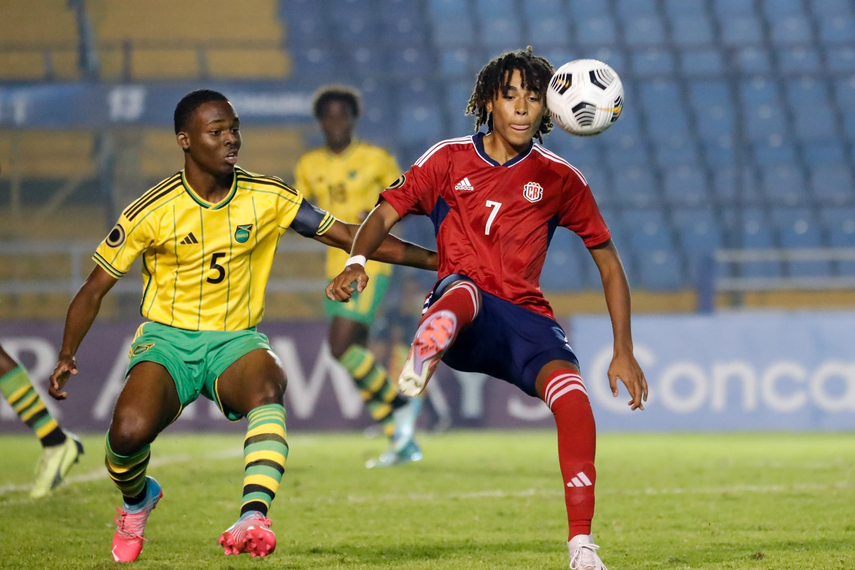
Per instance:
(495,200)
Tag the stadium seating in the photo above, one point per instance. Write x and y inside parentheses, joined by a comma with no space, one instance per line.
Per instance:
(731,105)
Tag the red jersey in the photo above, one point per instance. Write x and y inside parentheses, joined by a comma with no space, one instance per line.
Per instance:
(494,222)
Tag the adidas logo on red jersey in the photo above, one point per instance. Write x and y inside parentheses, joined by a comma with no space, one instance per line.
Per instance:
(464,185)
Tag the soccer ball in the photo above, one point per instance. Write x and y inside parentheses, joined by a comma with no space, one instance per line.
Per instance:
(585,97)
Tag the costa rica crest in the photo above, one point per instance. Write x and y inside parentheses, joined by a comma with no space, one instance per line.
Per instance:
(242,233)
(533,192)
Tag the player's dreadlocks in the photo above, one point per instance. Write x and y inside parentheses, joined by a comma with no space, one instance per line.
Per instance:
(347,95)
(190,103)
(536,72)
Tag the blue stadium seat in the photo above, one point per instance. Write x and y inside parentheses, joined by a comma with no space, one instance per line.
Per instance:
(648,229)
(546,32)
(491,8)
(583,150)
(366,61)
(357,29)
(660,269)
(767,116)
(837,30)
(704,62)
(841,59)
(793,30)
(316,63)
(823,152)
(306,28)
(454,62)
(775,151)
(629,151)
(585,9)
(540,9)
(562,269)
(831,8)
(844,91)
(750,228)
(455,31)
(652,62)
(784,184)
(700,235)
(457,95)
(778,9)
(664,124)
(398,32)
(832,184)
(643,32)
(678,150)
(712,105)
(798,60)
(413,61)
(685,186)
(683,8)
(719,152)
(635,187)
(595,32)
(395,9)
(447,9)
(728,189)
(691,31)
(754,60)
(502,32)
(798,229)
(419,124)
(629,9)
(813,117)
(598,181)
(698,229)
(731,8)
(741,31)
(840,225)
(660,95)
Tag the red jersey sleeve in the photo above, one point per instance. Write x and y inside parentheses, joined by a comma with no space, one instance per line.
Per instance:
(580,212)
(416,191)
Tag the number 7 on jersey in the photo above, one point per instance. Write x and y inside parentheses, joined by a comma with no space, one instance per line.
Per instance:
(497,206)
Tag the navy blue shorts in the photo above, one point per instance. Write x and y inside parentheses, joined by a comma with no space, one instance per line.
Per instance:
(505,340)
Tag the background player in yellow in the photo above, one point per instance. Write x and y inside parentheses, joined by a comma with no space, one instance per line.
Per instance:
(207,236)
(345,177)
(60,450)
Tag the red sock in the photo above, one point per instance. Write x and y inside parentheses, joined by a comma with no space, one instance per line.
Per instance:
(463,299)
(565,394)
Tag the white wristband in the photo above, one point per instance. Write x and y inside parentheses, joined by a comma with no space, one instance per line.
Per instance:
(356,259)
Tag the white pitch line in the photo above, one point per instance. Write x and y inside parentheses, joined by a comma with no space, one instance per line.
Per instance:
(101,473)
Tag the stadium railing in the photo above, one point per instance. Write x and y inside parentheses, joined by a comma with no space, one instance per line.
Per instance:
(723,272)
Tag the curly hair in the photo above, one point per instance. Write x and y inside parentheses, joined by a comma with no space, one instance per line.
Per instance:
(536,72)
(347,95)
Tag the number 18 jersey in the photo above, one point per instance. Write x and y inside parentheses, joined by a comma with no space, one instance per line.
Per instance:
(205,266)
(494,222)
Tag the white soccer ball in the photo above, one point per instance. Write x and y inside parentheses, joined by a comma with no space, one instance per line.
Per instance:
(585,97)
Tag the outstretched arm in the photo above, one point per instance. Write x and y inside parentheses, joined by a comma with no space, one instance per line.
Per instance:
(372,241)
(616,290)
(81,313)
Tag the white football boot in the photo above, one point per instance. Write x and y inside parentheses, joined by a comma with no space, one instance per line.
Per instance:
(583,553)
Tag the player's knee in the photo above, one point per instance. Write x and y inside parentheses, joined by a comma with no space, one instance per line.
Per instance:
(129,434)
(271,392)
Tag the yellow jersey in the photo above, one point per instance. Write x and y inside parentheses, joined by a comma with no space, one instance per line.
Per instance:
(205,265)
(347,186)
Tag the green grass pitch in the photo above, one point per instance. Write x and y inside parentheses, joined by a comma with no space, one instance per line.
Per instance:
(479,500)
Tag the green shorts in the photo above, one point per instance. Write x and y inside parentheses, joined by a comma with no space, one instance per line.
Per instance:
(362,306)
(194,359)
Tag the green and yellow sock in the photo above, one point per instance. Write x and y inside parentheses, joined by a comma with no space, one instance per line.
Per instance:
(19,392)
(265,452)
(128,471)
(373,382)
